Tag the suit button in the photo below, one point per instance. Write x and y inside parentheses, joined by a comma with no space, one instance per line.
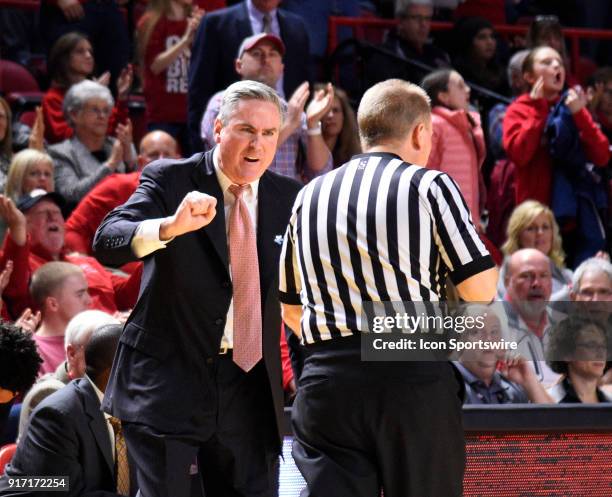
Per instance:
(225,284)
(219,322)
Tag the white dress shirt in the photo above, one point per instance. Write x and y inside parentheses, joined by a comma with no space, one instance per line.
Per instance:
(146,239)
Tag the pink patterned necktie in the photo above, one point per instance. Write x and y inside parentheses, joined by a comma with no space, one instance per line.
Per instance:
(245,280)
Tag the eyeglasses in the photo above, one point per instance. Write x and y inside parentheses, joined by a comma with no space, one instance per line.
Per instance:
(99,112)
(418,18)
(592,346)
(587,292)
(548,19)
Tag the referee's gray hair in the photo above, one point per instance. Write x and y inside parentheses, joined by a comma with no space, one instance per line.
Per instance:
(247,90)
(592,265)
(79,94)
(389,110)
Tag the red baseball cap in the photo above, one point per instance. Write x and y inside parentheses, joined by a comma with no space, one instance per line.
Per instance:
(250,42)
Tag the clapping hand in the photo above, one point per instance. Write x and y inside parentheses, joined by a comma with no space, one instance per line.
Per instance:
(576,99)
(14,219)
(193,22)
(537,91)
(320,105)
(124,82)
(37,135)
(28,321)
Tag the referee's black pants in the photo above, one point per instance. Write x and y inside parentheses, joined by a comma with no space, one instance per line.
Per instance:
(365,426)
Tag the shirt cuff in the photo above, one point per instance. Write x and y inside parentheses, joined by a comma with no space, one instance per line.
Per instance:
(472,268)
(289,298)
(146,238)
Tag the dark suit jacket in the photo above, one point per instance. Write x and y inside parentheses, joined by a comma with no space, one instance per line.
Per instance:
(215,49)
(160,377)
(67,436)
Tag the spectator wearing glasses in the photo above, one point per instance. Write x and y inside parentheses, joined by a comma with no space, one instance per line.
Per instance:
(112,191)
(592,287)
(578,350)
(36,236)
(409,40)
(90,154)
(515,383)
(71,61)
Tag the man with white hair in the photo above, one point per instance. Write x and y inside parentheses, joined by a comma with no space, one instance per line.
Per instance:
(78,333)
(90,155)
(592,288)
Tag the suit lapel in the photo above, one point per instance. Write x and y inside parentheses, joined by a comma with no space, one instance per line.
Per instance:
(243,23)
(206,181)
(97,422)
(269,226)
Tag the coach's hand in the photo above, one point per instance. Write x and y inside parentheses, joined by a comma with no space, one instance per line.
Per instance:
(195,211)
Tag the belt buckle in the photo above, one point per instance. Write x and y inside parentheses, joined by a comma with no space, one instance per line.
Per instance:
(224,349)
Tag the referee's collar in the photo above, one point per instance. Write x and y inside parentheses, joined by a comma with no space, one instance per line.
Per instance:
(390,155)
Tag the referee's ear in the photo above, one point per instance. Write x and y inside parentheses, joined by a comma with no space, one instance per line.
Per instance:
(420,140)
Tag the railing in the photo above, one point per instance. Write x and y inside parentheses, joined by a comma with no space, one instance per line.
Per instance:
(360,24)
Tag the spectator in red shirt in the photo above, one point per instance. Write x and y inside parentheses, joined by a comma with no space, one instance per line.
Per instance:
(59,290)
(71,61)
(526,118)
(165,35)
(36,236)
(112,191)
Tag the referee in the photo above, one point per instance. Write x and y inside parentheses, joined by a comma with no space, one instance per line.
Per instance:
(379,228)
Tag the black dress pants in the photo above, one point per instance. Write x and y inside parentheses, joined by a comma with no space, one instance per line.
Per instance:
(240,459)
(365,426)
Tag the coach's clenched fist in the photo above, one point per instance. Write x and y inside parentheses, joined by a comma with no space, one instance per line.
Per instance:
(194,212)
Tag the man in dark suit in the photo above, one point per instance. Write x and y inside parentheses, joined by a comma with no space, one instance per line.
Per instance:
(189,379)
(216,45)
(68,434)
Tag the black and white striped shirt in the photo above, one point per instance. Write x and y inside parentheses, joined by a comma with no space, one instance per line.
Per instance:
(376,229)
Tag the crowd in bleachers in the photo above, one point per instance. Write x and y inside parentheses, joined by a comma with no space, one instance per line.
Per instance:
(524,134)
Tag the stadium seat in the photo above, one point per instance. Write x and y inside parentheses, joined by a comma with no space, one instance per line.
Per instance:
(6,454)
(19,87)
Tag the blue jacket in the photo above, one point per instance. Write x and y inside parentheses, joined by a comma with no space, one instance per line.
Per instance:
(579,189)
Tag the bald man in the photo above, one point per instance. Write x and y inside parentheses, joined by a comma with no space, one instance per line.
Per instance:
(528,280)
(114,190)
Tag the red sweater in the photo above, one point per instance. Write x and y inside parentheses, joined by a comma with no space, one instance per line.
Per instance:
(526,146)
(56,127)
(82,224)
(109,292)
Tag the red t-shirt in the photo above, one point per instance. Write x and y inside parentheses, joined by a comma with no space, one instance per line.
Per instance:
(166,92)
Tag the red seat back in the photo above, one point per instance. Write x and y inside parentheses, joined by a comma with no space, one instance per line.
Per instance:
(15,78)
(6,454)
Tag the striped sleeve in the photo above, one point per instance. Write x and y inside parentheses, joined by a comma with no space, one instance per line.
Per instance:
(460,246)
(289,273)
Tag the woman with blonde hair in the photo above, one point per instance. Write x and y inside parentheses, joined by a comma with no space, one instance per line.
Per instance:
(29,170)
(533,225)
